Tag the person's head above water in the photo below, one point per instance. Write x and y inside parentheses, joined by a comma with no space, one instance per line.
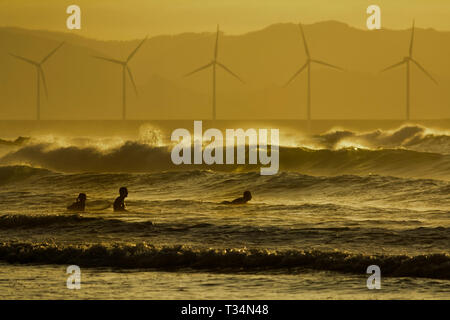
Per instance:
(123,192)
(247,196)
(79,204)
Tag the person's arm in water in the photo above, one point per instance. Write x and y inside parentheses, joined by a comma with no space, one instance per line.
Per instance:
(238,201)
(77,206)
(243,200)
(73,206)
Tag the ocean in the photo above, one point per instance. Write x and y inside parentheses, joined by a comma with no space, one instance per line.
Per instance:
(342,201)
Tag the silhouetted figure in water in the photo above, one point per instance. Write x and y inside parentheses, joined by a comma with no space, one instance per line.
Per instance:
(119,204)
(246,198)
(79,204)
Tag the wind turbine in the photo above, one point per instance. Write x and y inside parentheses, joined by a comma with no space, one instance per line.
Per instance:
(125,69)
(307,66)
(407,60)
(214,63)
(40,75)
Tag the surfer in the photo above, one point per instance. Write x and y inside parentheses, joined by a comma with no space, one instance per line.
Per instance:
(119,204)
(79,204)
(246,198)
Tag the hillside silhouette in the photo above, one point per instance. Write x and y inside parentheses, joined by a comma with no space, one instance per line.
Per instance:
(81,87)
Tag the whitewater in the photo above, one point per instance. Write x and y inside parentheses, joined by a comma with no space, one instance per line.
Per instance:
(343,200)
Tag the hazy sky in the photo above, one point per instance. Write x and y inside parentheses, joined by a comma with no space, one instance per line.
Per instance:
(121,19)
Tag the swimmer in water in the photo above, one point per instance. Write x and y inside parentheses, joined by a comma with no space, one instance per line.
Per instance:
(246,198)
(79,204)
(119,204)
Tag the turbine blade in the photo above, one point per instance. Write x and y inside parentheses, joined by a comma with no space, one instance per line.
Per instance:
(132,80)
(41,72)
(137,48)
(424,71)
(216,49)
(230,72)
(199,69)
(304,40)
(296,74)
(25,59)
(412,40)
(52,53)
(393,66)
(109,60)
(327,64)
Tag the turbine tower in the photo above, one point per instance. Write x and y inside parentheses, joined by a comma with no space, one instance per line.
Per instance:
(407,61)
(40,75)
(214,63)
(307,66)
(125,69)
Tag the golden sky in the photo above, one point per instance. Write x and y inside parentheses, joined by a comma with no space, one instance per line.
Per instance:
(123,19)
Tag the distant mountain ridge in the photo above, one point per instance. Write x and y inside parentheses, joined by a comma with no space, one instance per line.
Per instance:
(83,88)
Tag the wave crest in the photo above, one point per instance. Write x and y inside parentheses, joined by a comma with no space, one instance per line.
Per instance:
(412,137)
(17,173)
(143,255)
(410,151)
(134,157)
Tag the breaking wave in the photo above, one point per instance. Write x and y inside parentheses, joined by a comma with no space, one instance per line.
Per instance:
(409,151)
(135,157)
(75,224)
(144,255)
(10,174)
(412,137)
